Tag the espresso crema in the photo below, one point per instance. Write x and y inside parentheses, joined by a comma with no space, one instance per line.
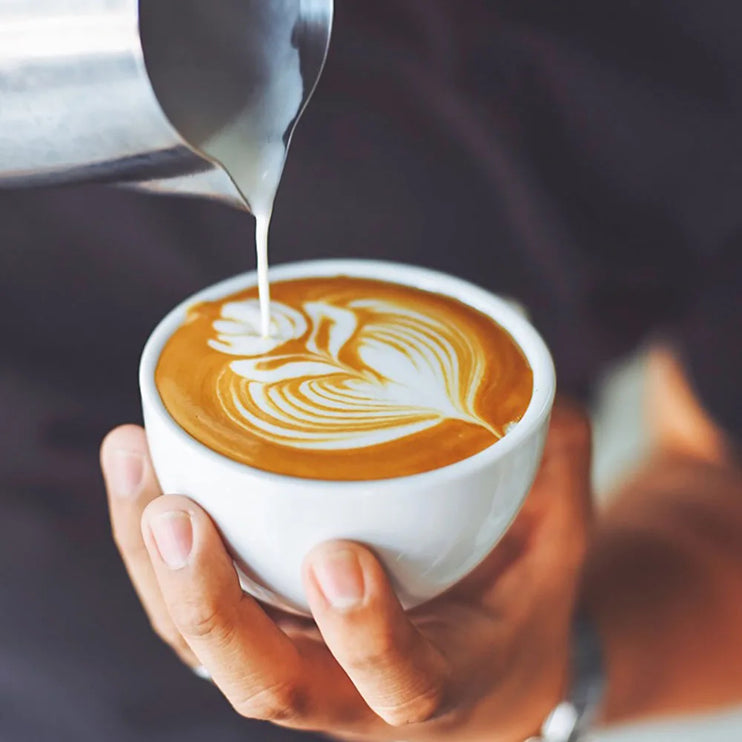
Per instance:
(358,379)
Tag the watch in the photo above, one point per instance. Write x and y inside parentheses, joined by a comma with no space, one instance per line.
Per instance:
(572,719)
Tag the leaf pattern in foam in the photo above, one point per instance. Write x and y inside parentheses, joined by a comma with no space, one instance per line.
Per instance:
(406,378)
(282,368)
(434,361)
(336,325)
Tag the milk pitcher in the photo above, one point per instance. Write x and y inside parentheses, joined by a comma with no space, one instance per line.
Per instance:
(134,91)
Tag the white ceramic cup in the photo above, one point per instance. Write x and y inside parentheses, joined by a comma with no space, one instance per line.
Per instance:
(429,529)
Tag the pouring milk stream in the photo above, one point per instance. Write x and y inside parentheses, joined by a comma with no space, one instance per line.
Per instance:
(252,147)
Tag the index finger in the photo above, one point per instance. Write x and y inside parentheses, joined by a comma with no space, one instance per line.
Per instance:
(131,485)
(261,671)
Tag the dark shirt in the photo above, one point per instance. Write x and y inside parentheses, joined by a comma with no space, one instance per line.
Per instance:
(585,158)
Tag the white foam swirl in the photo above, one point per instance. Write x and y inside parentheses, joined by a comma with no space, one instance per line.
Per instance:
(239,332)
(366,373)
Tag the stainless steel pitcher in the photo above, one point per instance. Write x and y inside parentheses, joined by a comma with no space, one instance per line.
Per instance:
(134,91)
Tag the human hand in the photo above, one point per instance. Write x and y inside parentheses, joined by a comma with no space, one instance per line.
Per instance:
(487,660)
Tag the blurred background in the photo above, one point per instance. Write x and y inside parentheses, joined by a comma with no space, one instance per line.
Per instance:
(581,157)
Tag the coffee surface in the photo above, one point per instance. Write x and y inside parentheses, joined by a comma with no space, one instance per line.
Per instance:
(358,380)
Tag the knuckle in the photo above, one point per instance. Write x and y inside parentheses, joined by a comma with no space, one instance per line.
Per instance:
(200,619)
(422,707)
(381,653)
(282,703)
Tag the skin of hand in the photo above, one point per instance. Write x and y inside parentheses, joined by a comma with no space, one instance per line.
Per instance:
(487,660)
(663,577)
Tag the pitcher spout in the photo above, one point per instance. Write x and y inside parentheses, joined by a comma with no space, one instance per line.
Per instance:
(212,183)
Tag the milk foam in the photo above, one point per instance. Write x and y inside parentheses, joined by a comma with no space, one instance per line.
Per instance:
(366,373)
(358,379)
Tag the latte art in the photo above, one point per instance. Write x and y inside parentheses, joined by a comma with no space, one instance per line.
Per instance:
(366,373)
(356,380)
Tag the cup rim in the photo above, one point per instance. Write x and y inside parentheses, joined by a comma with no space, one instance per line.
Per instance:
(498,309)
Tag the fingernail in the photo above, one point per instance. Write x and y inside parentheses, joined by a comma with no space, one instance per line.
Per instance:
(126,473)
(340,578)
(173,534)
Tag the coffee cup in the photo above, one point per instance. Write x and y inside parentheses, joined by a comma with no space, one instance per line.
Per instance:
(429,529)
